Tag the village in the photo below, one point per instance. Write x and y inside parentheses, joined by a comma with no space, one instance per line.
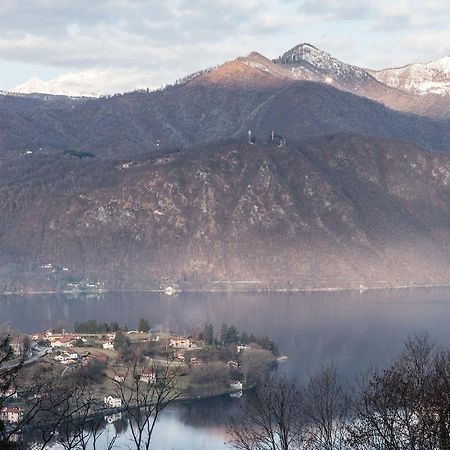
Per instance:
(206,365)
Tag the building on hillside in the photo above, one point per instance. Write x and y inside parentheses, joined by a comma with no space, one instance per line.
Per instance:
(112,402)
(111,418)
(108,345)
(11,414)
(148,377)
(64,341)
(67,358)
(99,356)
(236,385)
(240,348)
(180,342)
(17,345)
(120,378)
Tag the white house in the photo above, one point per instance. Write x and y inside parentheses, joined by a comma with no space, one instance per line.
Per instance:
(148,377)
(236,385)
(242,347)
(111,418)
(180,342)
(108,346)
(119,378)
(67,358)
(112,402)
(64,341)
(11,414)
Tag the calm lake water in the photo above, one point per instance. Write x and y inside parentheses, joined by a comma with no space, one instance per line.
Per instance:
(350,329)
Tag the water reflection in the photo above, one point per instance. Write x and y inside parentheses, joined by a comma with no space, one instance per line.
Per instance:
(351,329)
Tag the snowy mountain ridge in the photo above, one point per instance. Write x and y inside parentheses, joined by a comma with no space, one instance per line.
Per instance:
(302,62)
(420,78)
(67,84)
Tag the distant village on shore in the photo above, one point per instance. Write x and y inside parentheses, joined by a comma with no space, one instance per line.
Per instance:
(207,365)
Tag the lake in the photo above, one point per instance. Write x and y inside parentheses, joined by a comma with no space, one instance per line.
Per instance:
(350,329)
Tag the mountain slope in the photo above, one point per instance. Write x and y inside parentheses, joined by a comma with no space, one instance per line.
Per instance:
(249,93)
(313,92)
(335,211)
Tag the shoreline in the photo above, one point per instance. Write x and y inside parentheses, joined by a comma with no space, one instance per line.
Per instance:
(231,291)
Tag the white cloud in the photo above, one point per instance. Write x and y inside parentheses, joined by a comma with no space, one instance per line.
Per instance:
(428,42)
(165,40)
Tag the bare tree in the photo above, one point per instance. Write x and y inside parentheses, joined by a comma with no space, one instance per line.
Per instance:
(437,398)
(67,412)
(145,390)
(10,368)
(326,410)
(272,419)
(407,405)
(52,404)
(81,426)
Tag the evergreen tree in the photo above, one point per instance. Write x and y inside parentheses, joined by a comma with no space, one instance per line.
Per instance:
(223,333)
(229,335)
(208,334)
(144,326)
(232,335)
(121,341)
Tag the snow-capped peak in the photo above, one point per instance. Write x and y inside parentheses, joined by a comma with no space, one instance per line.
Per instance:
(309,62)
(89,83)
(72,85)
(420,78)
(32,86)
(304,52)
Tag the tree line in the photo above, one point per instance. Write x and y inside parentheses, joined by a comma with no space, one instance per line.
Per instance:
(94,327)
(230,335)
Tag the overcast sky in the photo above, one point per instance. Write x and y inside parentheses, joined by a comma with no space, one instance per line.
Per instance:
(119,45)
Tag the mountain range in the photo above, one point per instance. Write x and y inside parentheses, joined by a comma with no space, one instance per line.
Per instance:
(293,173)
